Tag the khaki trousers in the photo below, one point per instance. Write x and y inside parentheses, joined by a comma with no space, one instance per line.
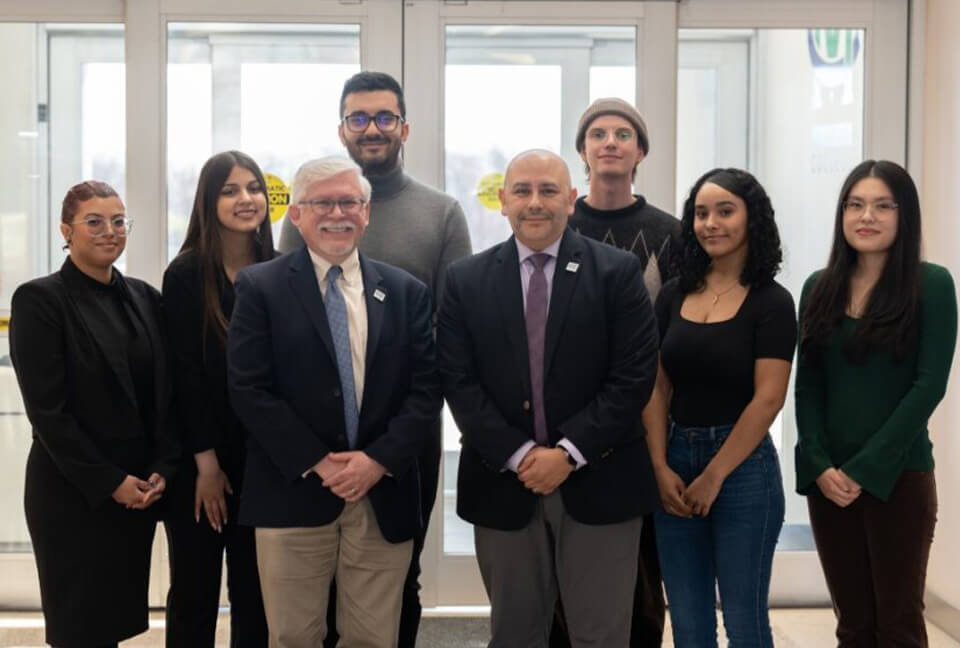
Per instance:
(297,565)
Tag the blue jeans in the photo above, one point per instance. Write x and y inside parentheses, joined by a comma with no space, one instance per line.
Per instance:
(731,548)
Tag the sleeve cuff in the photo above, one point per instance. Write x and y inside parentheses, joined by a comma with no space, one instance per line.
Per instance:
(574,452)
(513,463)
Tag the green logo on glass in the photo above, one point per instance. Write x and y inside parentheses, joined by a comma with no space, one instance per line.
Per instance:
(833,47)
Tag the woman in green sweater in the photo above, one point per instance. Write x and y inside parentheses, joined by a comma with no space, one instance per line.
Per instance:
(877,334)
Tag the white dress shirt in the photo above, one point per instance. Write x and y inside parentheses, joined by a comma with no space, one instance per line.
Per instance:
(350,283)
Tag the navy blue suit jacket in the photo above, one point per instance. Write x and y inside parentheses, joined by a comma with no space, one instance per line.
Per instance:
(285,388)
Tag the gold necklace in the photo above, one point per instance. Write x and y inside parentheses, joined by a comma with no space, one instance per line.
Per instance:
(718,295)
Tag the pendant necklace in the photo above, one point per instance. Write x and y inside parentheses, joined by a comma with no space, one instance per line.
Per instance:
(718,295)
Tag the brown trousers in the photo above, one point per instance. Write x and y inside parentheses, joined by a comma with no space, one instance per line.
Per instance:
(874,556)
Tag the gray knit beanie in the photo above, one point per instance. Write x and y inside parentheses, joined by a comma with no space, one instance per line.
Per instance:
(613,106)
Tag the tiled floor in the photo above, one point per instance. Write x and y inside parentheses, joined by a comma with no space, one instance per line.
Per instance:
(793,628)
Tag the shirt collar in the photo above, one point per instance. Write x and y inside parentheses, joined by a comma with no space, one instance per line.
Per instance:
(525,253)
(350,266)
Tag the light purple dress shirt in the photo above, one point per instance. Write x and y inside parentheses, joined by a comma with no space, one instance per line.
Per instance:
(526,271)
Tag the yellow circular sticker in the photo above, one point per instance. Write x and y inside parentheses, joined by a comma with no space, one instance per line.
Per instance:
(278,195)
(488,190)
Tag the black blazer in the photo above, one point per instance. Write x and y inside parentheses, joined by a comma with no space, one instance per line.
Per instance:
(601,363)
(204,416)
(78,393)
(285,388)
(92,554)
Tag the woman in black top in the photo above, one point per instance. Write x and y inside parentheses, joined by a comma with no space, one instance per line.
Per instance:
(88,351)
(228,231)
(727,333)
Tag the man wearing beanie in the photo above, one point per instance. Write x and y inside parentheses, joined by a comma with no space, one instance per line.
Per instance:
(612,140)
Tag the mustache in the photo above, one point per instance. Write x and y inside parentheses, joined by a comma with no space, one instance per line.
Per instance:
(373,139)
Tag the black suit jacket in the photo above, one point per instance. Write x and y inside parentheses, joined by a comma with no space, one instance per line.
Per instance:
(601,361)
(90,431)
(285,388)
(204,416)
(79,394)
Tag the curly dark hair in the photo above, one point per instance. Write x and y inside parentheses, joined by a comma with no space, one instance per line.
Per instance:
(764,254)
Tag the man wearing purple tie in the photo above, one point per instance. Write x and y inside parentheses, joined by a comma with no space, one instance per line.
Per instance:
(547,348)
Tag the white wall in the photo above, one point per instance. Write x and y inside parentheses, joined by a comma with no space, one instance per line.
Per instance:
(941,166)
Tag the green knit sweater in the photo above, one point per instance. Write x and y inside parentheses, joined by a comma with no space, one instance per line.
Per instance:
(870,420)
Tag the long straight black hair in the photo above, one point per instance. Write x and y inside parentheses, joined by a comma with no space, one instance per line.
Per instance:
(890,316)
(203,234)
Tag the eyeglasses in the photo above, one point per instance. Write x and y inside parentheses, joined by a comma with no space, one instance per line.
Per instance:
(620,134)
(385,120)
(324,207)
(97,225)
(858,207)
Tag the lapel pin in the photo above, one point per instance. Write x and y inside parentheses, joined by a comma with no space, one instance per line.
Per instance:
(379,295)
(573,266)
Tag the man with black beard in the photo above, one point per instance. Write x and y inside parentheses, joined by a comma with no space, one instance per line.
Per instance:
(412,226)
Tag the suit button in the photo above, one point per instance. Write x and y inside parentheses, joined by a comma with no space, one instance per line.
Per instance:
(341,438)
(336,393)
(526,406)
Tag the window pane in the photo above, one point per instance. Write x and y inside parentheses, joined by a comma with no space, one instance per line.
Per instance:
(264,89)
(509,88)
(78,70)
(786,104)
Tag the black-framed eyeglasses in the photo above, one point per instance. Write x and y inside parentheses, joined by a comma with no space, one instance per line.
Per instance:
(97,225)
(324,206)
(385,120)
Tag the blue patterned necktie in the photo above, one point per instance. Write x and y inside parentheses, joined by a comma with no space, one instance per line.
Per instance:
(536,317)
(336,308)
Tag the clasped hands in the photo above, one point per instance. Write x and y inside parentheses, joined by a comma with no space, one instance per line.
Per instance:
(838,487)
(136,493)
(542,469)
(349,475)
(686,501)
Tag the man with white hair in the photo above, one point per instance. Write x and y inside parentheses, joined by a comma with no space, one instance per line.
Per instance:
(331,369)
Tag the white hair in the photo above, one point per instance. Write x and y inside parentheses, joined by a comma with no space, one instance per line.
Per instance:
(323,169)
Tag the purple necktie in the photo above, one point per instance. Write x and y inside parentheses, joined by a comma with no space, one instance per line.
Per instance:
(536,332)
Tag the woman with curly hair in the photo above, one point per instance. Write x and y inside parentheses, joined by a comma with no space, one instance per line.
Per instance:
(877,334)
(727,333)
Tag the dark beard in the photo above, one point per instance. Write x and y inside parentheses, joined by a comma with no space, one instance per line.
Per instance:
(377,167)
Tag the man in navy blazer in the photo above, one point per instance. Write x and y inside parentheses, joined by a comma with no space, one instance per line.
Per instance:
(547,348)
(331,369)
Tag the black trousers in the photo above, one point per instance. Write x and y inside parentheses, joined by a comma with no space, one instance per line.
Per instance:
(196,558)
(649,606)
(429,475)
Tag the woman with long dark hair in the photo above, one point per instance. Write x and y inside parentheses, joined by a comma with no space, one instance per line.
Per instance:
(877,333)
(228,231)
(87,346)
(727,333)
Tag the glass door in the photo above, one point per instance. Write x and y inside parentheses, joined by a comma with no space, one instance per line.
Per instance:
(62,116)
(511,76)
(796,96)
(798,102)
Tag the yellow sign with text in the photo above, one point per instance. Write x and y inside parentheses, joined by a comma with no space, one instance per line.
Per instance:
(488,190)
(278,196)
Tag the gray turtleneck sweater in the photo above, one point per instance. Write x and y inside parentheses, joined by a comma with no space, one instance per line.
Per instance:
(412,226)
